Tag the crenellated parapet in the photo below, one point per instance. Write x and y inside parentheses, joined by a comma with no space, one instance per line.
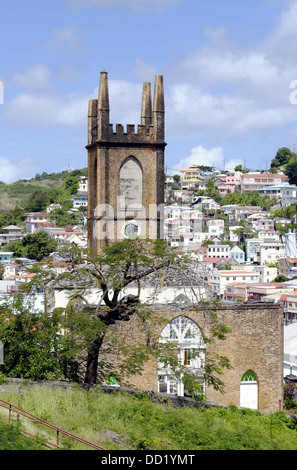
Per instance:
(151,127)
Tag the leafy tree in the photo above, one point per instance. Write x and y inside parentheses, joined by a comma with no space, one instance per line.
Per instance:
(280,278)
(63,218)
(205,168)
(250,198)
(71,184)
(291,172)
(240,168)
(286,212)
(244,233)
(37,202)
(212,191)
(126,263)
(283,156)
(35,246)
(31,340)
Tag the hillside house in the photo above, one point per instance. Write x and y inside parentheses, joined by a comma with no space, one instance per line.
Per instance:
(189,176)
(237,254)
(11,233)
(218,251)
(36,221)
(11,270)
(230,183)
(289,300)
(6,256)
(83,184)
(220,279)
(80,200)
(289,195)
(259,181)
(288,267)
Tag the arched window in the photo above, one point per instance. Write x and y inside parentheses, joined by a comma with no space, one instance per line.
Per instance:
(249,390)
(190,351)
(131,184)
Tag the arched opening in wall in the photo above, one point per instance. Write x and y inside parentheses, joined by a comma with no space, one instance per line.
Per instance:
(249,390)
(130,187)
(181,299)
(186,335)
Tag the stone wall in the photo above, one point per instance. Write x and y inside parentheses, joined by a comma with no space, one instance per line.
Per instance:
(256,343)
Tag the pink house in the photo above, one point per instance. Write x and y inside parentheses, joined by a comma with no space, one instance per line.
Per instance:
(231,183)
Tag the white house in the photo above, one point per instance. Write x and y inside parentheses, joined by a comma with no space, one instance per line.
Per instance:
(233,237)
(290,349)
(80,200)
(289,195)
(270,252)
(218,251)
(220,279)
(83,184)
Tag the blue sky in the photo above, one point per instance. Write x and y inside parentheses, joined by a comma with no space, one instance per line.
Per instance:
(227,67)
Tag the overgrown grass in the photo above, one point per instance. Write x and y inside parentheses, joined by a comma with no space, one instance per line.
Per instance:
(11,439)
(120,421)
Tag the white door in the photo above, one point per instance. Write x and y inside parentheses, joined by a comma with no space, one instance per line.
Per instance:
(249,395)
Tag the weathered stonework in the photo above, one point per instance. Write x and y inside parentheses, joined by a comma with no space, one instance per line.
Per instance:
(108,152)
(256,343)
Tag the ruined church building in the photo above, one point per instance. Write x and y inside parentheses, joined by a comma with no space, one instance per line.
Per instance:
(126,192)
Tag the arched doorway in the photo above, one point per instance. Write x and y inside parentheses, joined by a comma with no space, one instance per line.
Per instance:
(190,350)
(249,390)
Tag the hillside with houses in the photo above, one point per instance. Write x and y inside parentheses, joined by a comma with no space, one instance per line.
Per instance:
(239,228)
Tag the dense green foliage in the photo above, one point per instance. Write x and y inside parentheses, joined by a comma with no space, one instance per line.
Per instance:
(31,340)
(250,198)
(283,156)
(11,439)
(12,217)
(291,172)
(141,424)
(285,212)
(35,245)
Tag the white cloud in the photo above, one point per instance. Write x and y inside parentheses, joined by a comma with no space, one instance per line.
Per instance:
(46,110)
(199,156)
(13,171)
(66,40)
(225,91)
(211,157)
(35,78)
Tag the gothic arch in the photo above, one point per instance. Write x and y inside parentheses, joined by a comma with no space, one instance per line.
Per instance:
(181,299)
(190,350)
(249,390)
(131,183)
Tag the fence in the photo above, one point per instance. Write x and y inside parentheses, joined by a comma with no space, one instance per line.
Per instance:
(19,412)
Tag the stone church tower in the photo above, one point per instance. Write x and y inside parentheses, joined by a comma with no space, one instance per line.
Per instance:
(125,170)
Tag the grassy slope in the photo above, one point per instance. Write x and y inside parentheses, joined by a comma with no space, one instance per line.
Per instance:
(124,422)
(17,193)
